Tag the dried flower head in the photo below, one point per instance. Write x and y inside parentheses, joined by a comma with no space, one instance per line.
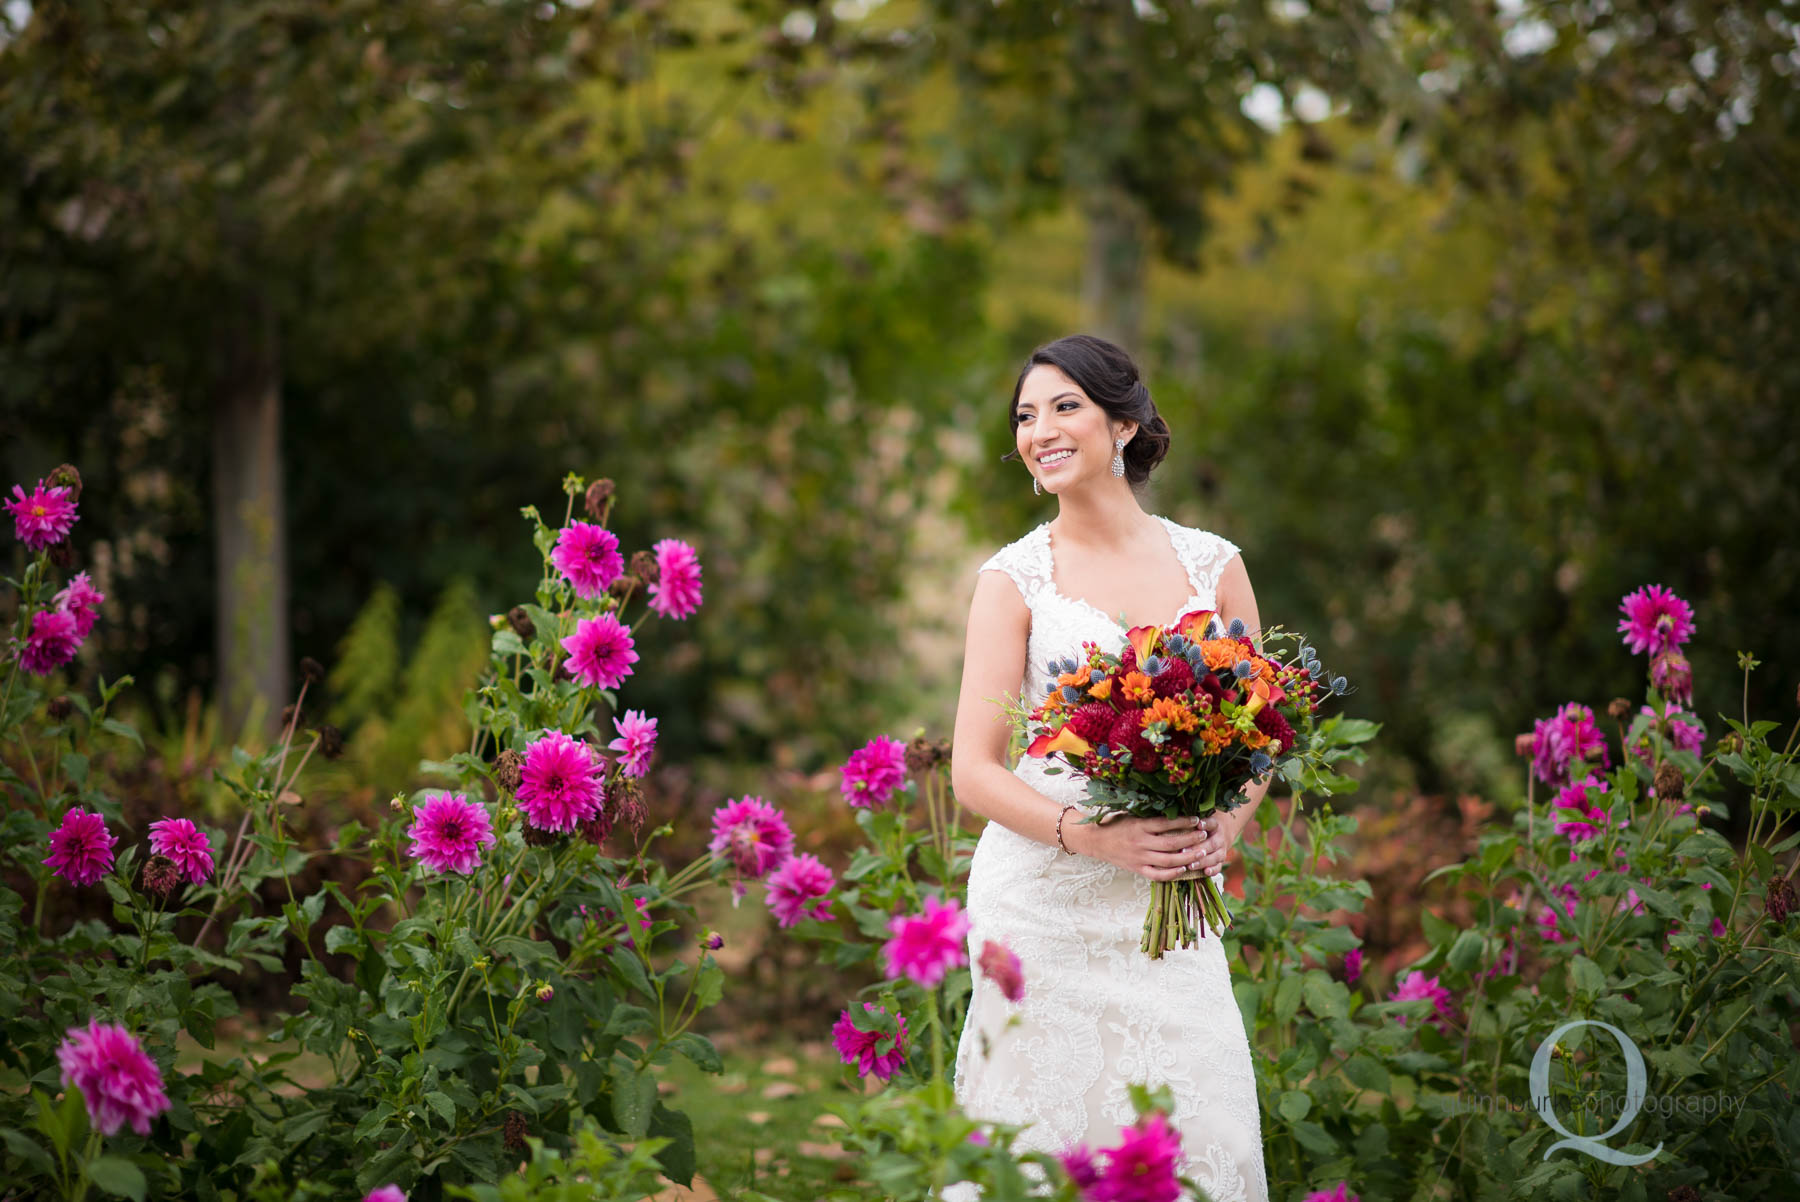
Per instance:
(331,741)
(289,714)
(311,670)
(521,623)
(629,802)
(598,494)
(64,475)
(1670,784)
(59,708)
(643,566)
(537,836)
(508,768)
(1780,900)
(1617,708)
(161,877)
(514,1131)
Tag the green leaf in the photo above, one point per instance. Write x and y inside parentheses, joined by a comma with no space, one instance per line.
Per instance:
(342,938)
(1367,1073)
(1325,997)
(114,726)
(1589,979)
(633,1095)
(118,1176)
(1465,953)
(440,1102)
(1294,1105)
(1287,997)
(677,1157)
(28,1150)
(700,1050)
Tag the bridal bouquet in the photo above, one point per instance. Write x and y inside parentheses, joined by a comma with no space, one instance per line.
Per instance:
(1178,724)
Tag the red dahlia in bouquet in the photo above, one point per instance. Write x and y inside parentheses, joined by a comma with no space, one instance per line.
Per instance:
(1178,724)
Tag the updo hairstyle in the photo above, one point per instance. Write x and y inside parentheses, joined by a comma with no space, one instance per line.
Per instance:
(1109,377)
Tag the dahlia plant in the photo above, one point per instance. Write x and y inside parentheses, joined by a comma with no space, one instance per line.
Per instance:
(500,989)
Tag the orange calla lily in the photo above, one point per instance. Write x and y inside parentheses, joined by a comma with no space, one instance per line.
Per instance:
(1261,693)
(1063,740)
(1142,638)
(1193,625)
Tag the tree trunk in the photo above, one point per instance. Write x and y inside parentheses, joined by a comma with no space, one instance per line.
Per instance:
(249,523)
(1112,285)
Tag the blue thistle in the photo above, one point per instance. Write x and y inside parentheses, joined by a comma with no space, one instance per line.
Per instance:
(1242,669)
(1071,693)
(1153,665)
(1260,763)
(1096,676)
(1176,644)
(1236,629)
(1339,684)
(1050,666)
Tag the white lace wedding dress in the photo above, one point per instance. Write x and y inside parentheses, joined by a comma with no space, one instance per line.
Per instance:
(1098,1014)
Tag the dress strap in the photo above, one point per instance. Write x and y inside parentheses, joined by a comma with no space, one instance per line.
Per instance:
(1027,562)
(1204,555)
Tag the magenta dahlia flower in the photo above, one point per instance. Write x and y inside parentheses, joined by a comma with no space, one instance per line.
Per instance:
(81,849)
(924,947)
(636,742)
(44,518)
(385,1193)
(81,601)
(116,1077)
(1353,965)
(1558,743)
(1683,730)
(1142,1167)
(1417,985)
(601,652)
(1340,1194)
(753,835)
(874,772)
(1674,676)
(54,639)
(1079,1163)
(1655,620)
(676,593)
(448,833)
(1000,965)
(1577,814)
(800,887)
(186,844)
(1549,921)
(873,1053)
(560,786)
(588,557)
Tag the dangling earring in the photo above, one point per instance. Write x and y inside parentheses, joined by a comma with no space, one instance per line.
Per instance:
(1119,458)
(1037,490)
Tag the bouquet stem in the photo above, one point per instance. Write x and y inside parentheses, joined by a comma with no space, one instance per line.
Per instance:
(1180,912)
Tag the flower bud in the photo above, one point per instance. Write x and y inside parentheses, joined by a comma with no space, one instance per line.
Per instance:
(161,876)
(1780,900)
(597,495)
(921,755)
(596,829)
(481,964)
(397,803)
(644,567)
(545,991)
(64,475)
(623,585)
(1671,672)
(59,708)
(509,768)
(331,741)
(312,670)
(521,623)
(1702,810)
(1670,784)
(1617,708)
(712,941)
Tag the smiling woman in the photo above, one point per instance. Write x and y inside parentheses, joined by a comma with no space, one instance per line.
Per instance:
(1069,896)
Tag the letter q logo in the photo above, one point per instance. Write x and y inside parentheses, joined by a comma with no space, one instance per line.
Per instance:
(1634,1097)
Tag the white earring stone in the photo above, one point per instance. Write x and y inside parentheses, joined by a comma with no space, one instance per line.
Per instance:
(1037,489)
(1118,463)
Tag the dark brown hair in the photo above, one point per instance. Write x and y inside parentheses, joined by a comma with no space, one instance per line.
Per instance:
(1107,374)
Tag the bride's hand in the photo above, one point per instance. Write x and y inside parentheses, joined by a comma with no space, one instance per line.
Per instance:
(1158,849)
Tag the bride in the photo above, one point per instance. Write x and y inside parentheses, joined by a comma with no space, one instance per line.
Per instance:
(1069,897)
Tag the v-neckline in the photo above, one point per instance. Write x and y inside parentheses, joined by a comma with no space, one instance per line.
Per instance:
(1082,602)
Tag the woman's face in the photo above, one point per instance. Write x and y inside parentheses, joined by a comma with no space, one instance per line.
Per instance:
(1063,437)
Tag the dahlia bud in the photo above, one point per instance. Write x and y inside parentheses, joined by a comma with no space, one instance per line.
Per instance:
(397,803)
(514,1131)
(597,495)
(643,566)
(312,670)
(1780,901)
(1618,708)
(1670,784)
(59,708)
(1702,810)
(64,475)
(537,836)
(1731,742)
(545,992)
(509,769)
(331,741)
(521,623)
(161,876)
(711,940)
(1671,672)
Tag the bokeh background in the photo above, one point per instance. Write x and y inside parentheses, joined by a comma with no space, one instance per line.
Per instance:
(1468,319)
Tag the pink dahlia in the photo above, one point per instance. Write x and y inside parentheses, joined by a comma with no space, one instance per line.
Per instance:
(676,593)
(752,834)
(874,772)
(1571,737)
(81,849)
(1353,965)
(43,518)
(1000,965)
(800,888)
(560,785)
(81,601)
(385,1193)
(448,833)
(1549,921)
(1078,1162)
(926,946)
(873,1053)
(1655,620)
(601,652)
(1417,985)
(1576,813)
(636,742)
(588,557)
(1684,730)
(1142,1168)
(54,639)
(117,1079)
(1340,1194)
(186,844)
(1671,673)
